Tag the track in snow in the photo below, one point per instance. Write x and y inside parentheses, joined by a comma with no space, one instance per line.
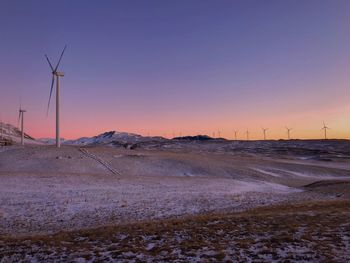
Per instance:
(101,161)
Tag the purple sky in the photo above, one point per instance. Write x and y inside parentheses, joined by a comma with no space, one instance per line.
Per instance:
(178,66)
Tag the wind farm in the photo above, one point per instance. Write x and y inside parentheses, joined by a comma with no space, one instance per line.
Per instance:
(181,132)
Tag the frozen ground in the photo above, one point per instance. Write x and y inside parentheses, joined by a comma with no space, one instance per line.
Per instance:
(44,190)
(313,232)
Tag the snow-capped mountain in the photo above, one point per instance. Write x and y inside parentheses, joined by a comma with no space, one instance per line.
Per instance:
(112,137)
(13,134)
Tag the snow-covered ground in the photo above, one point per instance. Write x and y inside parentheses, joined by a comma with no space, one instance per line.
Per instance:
(285,233)
(48,203)
(44,189)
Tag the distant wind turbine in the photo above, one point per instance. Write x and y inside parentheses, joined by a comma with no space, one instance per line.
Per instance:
(247,134)
(21,118)
(56,74)
(325,128)
(2,130)
(236,132)
(264,132)
(288,132)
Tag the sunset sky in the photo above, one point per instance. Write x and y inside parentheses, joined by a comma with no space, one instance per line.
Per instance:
(164,67)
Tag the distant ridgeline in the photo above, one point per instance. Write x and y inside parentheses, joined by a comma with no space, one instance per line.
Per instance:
(194,138)
(9,134)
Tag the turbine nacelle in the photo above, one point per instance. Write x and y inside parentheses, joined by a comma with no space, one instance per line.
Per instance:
(58,73)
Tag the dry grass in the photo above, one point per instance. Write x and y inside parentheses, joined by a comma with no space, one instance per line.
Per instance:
(314,231)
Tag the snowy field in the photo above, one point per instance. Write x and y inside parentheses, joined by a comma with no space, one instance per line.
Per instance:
(45,191)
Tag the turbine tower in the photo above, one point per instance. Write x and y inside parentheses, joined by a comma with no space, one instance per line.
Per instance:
(2,130)
(247,134)
(57,74)
(288,132)
(325,128)
(264,132)
(236,132)
(21,117)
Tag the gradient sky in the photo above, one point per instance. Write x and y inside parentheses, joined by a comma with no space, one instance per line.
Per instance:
(161,67)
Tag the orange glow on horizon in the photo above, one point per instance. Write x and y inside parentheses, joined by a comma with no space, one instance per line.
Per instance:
(305,126)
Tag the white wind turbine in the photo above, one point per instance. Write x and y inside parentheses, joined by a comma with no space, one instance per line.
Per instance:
(236,132)
(247,134)
(1,128)
(264,132)
(288,132)
(21,118)
(325,128)
(56,74)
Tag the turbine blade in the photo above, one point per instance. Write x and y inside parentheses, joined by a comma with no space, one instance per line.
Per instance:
(48,105)
(47,58)
(59,61)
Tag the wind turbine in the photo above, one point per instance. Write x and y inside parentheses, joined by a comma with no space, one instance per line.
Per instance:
(236,132)
(264,132)
(57,74)
(247,134)
(325,130)
(2,130)
(21,117)
(288,132)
